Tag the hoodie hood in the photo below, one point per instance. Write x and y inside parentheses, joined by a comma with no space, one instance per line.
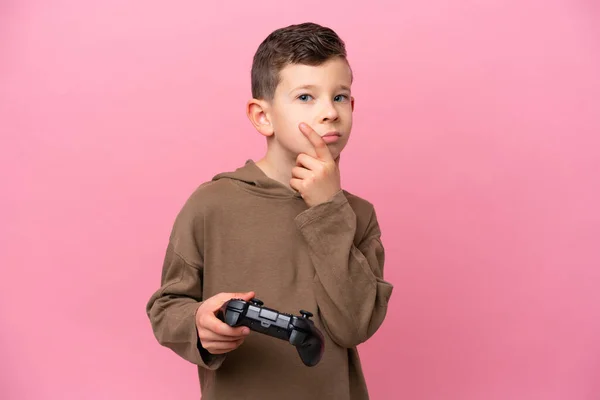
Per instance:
(254,180)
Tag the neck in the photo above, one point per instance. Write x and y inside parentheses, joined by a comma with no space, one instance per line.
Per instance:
(278,167)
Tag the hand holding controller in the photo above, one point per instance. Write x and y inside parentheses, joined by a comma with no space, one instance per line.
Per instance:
(300,331)
(215,336)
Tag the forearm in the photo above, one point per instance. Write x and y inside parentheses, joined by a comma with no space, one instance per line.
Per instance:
(172,311)
(351,293)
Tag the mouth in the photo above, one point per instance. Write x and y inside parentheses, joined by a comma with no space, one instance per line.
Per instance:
(331,137)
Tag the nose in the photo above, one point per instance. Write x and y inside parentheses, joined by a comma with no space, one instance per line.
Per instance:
(329,112)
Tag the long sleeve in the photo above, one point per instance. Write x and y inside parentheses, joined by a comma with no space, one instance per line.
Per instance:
(172,308)
(351,293)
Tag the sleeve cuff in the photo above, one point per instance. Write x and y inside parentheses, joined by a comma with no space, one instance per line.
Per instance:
(202,357)
(321,210)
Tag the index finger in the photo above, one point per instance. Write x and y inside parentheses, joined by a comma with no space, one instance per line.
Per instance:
(319,144)
(219,327)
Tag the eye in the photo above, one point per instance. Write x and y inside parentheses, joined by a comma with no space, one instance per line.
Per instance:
(340,97)
(304,97)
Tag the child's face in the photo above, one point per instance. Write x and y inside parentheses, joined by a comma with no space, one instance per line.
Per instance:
(317,95)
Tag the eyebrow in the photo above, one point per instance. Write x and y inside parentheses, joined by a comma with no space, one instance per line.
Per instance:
(343,87)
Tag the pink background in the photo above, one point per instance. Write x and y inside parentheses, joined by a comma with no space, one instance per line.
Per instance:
(476,136)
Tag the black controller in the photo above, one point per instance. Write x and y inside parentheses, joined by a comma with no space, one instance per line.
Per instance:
(300,331)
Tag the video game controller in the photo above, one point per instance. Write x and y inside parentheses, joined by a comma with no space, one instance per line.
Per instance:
(300,331)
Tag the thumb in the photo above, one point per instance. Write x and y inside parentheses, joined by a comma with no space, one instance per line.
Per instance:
(218,300)
(223,297)
(245,296)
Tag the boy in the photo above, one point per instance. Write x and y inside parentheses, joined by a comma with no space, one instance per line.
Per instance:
(283,230)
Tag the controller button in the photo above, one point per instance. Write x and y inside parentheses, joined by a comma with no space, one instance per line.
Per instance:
(268,314)
(257,302)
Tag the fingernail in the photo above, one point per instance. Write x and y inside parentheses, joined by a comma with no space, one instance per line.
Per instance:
(245,331)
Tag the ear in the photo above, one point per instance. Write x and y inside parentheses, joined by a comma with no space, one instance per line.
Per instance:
(258,114)
(352,102)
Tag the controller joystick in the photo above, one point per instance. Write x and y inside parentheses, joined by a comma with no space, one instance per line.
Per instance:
(257,302)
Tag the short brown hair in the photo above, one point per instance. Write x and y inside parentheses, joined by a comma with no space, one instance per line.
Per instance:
(307,43)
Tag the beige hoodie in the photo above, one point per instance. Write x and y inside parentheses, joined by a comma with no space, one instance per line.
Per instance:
(244,231)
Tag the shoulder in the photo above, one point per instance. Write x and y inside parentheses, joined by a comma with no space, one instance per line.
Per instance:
(208,195)
(361,206)
(200,203)
(187,231)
